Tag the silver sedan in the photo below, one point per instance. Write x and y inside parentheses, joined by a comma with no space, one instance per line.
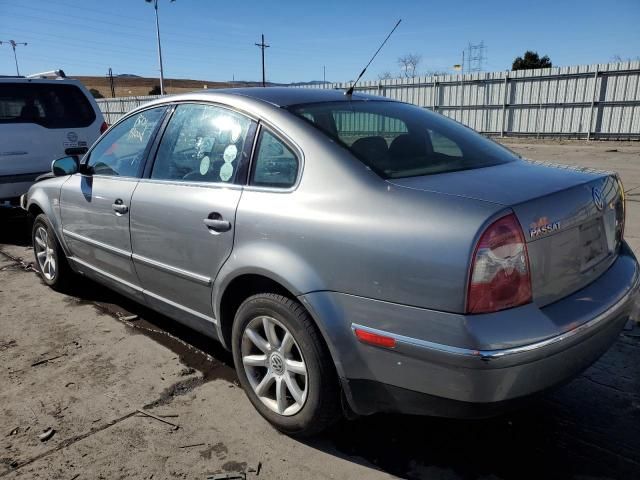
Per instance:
(353,252)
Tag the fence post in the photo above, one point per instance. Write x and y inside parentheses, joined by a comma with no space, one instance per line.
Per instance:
(593,103)
(504,103)
(436,93)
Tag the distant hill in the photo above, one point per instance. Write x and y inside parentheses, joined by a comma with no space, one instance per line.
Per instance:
(127,84)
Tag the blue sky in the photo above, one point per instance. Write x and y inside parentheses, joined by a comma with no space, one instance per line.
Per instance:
(214,40)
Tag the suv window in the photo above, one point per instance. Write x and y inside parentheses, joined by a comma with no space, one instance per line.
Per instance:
(275,164)
(398,140)
(203,143)
(121,151)
(52,105)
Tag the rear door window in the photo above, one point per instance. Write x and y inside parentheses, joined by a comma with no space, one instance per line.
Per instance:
(51,105)
(204,143)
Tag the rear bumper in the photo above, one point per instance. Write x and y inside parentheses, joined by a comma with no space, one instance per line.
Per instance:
(425,376)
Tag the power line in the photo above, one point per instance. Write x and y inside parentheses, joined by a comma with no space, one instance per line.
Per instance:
(13,45)
(262,46)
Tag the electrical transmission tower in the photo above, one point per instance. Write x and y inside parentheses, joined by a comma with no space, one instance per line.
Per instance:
(476,56)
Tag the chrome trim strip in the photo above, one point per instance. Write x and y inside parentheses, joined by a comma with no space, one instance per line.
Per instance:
(96,243)
(488,355)
(180,307)
(106,274)
(192,183)
(196,277)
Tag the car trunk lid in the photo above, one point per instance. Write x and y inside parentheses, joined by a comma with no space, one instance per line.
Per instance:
(571,218)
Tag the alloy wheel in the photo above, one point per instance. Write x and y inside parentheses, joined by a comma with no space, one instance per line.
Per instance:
(45,253)
(274,365)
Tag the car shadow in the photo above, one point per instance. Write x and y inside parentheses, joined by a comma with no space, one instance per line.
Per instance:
(589,428)
(14,227)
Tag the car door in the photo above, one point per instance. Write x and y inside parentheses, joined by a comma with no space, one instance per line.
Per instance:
(183,211)
(95,204)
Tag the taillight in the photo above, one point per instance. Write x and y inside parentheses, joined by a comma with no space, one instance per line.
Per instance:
(103,127)
(500,275)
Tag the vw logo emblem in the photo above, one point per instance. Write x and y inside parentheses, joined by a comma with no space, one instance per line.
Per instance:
(597,198)
(72,136)
(277,363)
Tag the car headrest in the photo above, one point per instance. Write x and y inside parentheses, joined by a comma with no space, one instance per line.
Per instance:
(371,148)
(407,145)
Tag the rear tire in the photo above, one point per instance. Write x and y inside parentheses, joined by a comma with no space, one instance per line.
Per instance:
(284,365)
(50,260)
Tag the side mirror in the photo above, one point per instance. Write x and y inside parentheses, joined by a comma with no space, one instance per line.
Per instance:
(65,166)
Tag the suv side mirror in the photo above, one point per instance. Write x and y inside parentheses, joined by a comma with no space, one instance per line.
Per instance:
(65,166)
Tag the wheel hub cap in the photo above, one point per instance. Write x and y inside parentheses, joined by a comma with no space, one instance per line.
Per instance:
(277,363)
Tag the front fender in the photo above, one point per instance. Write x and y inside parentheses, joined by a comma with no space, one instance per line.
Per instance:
(45,195)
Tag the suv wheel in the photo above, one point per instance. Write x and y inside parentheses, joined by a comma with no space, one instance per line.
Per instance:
(284,365)
(51,262)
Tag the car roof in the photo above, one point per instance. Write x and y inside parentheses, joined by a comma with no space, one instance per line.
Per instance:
(10,79)
(287,96)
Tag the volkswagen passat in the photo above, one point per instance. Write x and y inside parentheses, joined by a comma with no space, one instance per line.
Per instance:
(352,251)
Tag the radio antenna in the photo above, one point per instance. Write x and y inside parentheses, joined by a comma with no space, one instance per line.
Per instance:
(349,92)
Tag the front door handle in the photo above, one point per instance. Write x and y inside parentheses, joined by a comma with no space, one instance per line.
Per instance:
(119,207)
(217,224)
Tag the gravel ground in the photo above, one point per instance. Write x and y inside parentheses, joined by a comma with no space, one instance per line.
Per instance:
(83,366)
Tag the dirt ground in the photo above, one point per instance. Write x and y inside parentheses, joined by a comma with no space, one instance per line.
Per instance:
(93,366)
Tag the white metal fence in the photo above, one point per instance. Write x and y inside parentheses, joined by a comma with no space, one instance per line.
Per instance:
(584,101)
(114,108)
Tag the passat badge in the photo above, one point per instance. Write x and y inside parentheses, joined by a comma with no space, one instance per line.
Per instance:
(598,201)
(543,227)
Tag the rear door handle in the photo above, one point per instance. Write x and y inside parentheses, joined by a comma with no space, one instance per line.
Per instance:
(119,207)
(217,224)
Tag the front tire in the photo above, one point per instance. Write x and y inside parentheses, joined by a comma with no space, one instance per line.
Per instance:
(284,365)
(50,260)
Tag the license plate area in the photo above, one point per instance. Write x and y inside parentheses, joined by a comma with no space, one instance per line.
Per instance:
(593,243)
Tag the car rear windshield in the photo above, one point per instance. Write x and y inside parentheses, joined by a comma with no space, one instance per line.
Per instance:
(47,104)
(399,140)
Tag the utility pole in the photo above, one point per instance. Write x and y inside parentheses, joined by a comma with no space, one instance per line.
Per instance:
(155,7)
(262,46)
(113,89)
(324,74)
(14,44)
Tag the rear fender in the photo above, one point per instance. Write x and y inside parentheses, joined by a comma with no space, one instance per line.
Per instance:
(268,260)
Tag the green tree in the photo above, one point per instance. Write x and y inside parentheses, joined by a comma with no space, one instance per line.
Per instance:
(96,93)
(531,60)
(155,90)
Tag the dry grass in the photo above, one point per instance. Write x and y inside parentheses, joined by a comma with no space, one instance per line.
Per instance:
(128,86)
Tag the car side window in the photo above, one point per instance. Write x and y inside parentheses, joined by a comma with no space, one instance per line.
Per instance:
(202,143)
(275,164)
(121,151)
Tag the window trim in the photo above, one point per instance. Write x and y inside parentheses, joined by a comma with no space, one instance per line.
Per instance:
(243,167)
(297,151)
(145,154)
